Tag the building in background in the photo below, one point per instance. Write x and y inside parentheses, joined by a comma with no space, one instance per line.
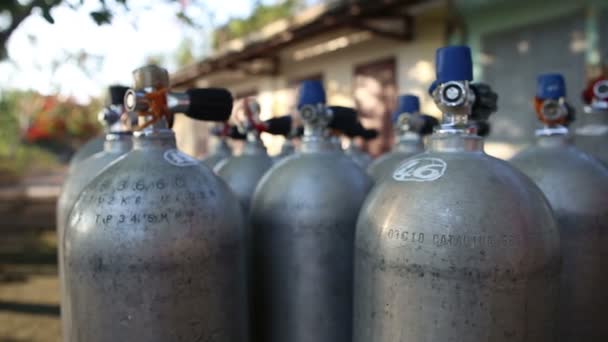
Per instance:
(367,52)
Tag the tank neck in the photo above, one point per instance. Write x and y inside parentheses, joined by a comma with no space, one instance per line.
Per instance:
(118,142)
(455,142)
(154,139)
(222,147)
(554,140)
(409,141)
(254,146)
(287,147)
(593,115)
(316,144)
(352,146)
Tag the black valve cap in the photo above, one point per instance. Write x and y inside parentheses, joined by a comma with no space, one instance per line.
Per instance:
(369,134)
(424,124)
(357,130)
(344,119)
(571,115)
(486,102)
(354,130)
(299,131)
(234,133)
(483,128)
(117,94)
(209,104)
(217,131)
(279,126)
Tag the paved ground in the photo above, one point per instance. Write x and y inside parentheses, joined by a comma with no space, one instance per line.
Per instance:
(29,288)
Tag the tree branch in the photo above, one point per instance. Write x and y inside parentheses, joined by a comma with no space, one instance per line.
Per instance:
(18,14)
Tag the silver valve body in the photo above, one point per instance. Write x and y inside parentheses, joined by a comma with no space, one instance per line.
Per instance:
(455,100)
(316,120)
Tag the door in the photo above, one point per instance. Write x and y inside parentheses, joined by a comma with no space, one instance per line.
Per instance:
(375,93)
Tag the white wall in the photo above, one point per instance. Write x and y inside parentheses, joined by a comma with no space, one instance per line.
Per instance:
(414,72)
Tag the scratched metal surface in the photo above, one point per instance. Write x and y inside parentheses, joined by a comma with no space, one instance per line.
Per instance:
(155,251)
(577,188)
(462,247)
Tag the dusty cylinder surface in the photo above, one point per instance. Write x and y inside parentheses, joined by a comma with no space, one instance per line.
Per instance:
(576,185)
(303,215)
(456,246)
(155,251)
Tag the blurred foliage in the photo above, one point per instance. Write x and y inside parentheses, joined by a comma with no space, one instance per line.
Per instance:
(261,16)
(35,130)
(19,10)
(184,55)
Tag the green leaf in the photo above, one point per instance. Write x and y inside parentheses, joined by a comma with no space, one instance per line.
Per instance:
(46,14)
(101,17)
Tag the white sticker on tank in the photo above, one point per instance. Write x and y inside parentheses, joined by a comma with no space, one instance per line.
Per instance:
(420,170)
(592,130)
(180,159)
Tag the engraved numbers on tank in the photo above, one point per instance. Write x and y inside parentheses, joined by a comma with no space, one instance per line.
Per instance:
(128,194)
(405,236)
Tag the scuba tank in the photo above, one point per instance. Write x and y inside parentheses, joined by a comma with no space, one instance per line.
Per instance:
(576,185)
(243,172)
(118,141)
(155,247)
(360,157)
(348,121)
(284,126)
(287,149)
(97,144)
(592,135)
(221,150)
(456,245)
(303,216)
(409,126)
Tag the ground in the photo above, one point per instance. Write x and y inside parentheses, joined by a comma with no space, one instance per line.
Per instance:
(29,287)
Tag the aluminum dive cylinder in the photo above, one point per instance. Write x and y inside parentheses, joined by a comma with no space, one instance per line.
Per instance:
(360,157)
(409,126)
(283,125)
(303,216)
(456,245)
(576,185)
(591,135)
(155,247)
(243,172)
(118,141)
(287,149)
(221,150)
(89,148)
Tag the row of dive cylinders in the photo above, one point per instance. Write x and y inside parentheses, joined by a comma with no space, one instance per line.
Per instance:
(423,244)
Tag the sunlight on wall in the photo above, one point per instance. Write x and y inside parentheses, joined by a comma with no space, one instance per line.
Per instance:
(330,45)
(423,72)
(501,150)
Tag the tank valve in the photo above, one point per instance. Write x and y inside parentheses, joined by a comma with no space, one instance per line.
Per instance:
(312,109)
(153,101)
(551,106)
(114,116)
(281,125)
(451,91)
(596,93)
(465,105)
